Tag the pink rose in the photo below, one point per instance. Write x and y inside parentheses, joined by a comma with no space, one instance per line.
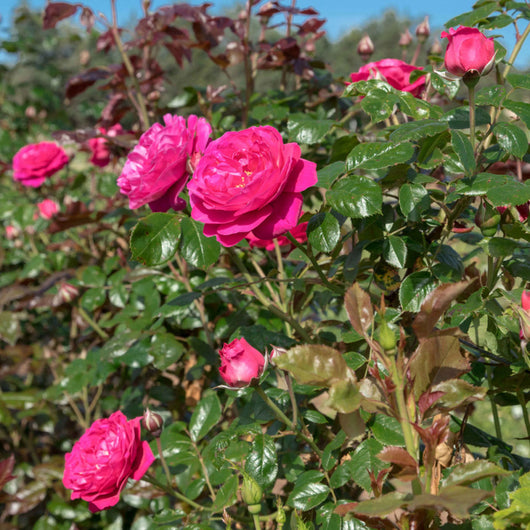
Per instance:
(35,162)
(100,147)
(240,363)
(468,51)
(299,232)
(250,182)
(156,170)
(104,458)
(395,72)
(47,208)
(524,317)
(12,232)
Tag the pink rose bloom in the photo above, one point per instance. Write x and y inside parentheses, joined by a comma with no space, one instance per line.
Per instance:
(12,232)
(299,232)
(395,72)
(468,51)
(47,208)
(35,162)
(250,182)
(104,458)
(99,146)
(524,333)
(156,170)
(240,363)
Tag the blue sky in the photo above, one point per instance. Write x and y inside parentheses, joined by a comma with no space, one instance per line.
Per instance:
(341,15)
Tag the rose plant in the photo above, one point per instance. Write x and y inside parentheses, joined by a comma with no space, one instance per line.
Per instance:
(395,325)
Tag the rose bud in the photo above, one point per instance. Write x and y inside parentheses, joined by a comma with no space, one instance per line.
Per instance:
(251,494)
(365,48)
(152,422)
(66,292)
(47,208)
(469,52)
(405,39)
(487,219)
(423,30)
(240,363)
(436,48)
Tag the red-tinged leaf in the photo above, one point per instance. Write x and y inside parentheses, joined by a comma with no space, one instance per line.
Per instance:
(79,83)
(457,393)
(397,455)
(427,400)
(382,506)
(437,359)
(359,308)
(464,474)
(55,12)
(6,469)
(344,509)
(27,498)
(376,522)
(434,306)
(87,18)
(457,500)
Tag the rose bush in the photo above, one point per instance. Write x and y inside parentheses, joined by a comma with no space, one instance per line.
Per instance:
(395,72)
(156,170)
(104,458)
(469,51)
(99,147)
(35,162)
(250,182)
(240,363)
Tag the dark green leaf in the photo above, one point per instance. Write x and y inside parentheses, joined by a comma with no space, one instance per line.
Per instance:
(465,474)
(512,139)
(412,106)
(519,80)
(9,327)
(414,288)
(329,173)
(413,200)
(206,414)
(227,494)
(364,459)
(379,155)
(306,130)
(459,118)
(520,108)
(387,430)
(195,247)
(356,197)
(472,17)
(511,193)
(306,496)
(166,350)
(464,151)
(323,232)
(416,130)
(379,104)
(155,238)
(262,462)
(93,298)
(491,95)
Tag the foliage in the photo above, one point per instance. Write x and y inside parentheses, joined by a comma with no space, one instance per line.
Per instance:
(382,331)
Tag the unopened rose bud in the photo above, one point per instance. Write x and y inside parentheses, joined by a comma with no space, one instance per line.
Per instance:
(251,494)
(67,292)
(240,363)
(405,39)
(387,338)
(436,48)
(153,423)
(30,111)
(487,219)
(365,48)
(423,30)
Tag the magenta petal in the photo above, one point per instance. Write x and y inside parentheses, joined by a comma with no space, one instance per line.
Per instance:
(305,175)
(103,503)
(146,459)
(285,215)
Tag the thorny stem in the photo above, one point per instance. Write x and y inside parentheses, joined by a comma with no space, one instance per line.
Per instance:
(494,409)
(139,100)
(204,471)
(152,480)
(472,115)
(257,526)
(92,323)
(163,461)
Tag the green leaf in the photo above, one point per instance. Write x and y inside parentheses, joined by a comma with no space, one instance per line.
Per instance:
(306,130)
(379,104)
(378,155)
(93,276)
(395,251)
(155,238)
(93,298)
(471,18)
(387,430)
(344,396)
(262,462)
(381,506)
(413,200)
(416,130)
(520,108)
(166,350)
(313,364)
(307,496)
(227,494)
(457,393)
(356,197)
(414,288)
(195,247)
(329,173)
(412,106)
(512,193)
(499,247)
(365,459)
(10,327)
(465,474)
(512,139)
(491,95)
(519,80)
(464,151)
(206,414)
(459,118)
(323,231)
